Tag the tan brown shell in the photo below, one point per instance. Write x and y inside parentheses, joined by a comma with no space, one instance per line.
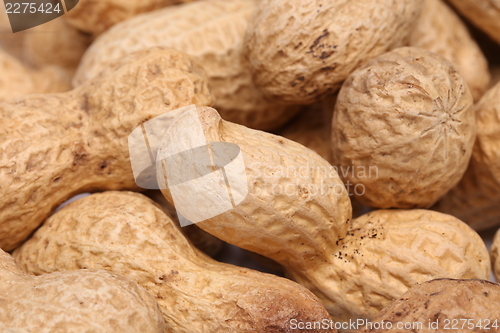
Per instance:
(386,252)
(485,14)
(212,33)
(440,30)
(296,209)
(302,230)
(55,43)
(312,127)
(403,129)
(54,146)
(128,234)
(74,302)
(300,51)
(96,16)
(442,306)
(202,240)
(475,200)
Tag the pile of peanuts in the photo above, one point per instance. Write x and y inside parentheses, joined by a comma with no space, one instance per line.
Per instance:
(368,133)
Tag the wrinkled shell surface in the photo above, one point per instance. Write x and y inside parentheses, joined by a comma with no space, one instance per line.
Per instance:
(475,199)
(313,129)
(485,14)
(297,207)
(74,302)
(386,252)
(441,300)
(128,234)
(495,256)
(17,80)
(211,32)
(302,50)
(403,129)
(96,16)
(441,31)
(55,146)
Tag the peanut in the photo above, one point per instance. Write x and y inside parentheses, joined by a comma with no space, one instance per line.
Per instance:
(355,276)
(301,51)
(96,16)
(83,301)
(81,136)
(403,129)
(485,14)
(442,305)
(128,234)
(441,31)
(475,199)
(212,33)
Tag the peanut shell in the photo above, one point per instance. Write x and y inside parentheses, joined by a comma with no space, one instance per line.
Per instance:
(74,302)
(444,305)
(96,16)
(386,252)
(485,14)
(441,31)
(475,199)
(403,129)
(54,146)
(128,234)
(301,51)
(212,33)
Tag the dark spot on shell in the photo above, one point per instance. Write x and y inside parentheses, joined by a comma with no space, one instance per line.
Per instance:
(325,55)
(318,40)
(85,104)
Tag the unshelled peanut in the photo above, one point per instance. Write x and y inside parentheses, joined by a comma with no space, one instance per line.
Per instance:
(475,199)
(441,31)
(300,51)
(128,234)
(212,33)
(306,226)
(76,302)
(54,146)
(403,129)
